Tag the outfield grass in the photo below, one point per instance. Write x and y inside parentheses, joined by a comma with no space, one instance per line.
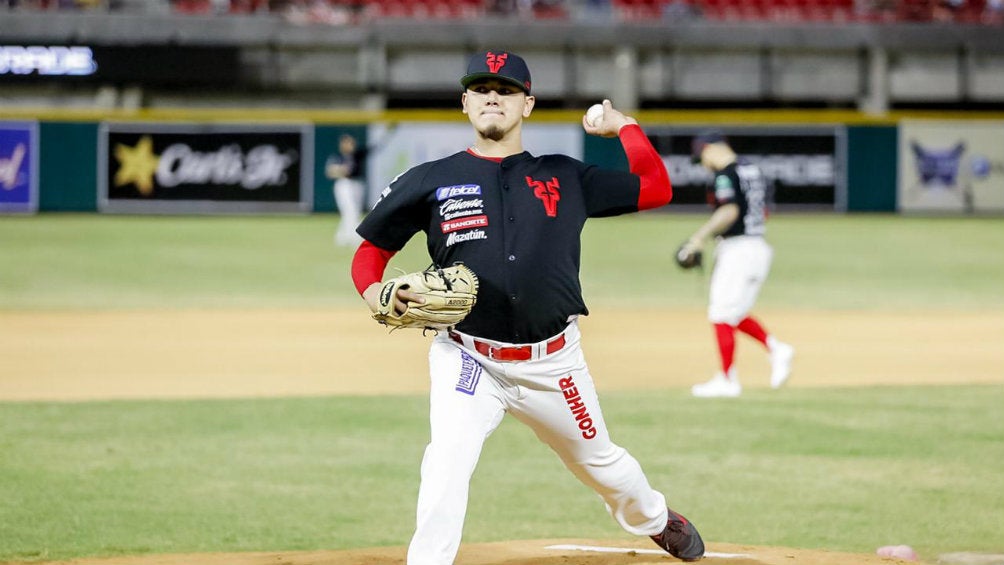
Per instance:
(821,261)
(835,469)
(840,469)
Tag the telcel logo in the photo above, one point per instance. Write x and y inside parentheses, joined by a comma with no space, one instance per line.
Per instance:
(50,61)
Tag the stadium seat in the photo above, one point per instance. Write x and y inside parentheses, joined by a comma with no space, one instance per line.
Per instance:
(914,10)
(637,10)
(194,7)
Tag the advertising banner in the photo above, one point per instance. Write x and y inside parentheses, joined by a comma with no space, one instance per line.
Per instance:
(204,168)
(951,166)
(18,167)
(406,145)
(147,65)
(806,166)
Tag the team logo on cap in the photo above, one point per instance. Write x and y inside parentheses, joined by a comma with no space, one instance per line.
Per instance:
(495,62)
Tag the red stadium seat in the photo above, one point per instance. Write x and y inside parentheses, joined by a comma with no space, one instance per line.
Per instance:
(192,6)
(635,10)
(723,9)
(915,10)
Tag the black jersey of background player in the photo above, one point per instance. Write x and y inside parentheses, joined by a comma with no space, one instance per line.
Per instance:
(744,184)
(516,223)
(355,162)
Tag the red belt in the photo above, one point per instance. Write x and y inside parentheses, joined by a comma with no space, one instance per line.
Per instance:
(515,353)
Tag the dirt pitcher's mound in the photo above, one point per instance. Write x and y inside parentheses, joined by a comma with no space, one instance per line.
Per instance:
(532,552)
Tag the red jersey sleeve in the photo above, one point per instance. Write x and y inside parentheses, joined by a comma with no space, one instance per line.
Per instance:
(368,265)
(645,161)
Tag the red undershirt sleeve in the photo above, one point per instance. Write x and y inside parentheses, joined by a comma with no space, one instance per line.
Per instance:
(645,161)
(368,265)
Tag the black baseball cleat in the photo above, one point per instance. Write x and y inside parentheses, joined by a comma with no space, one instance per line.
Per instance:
(680,538)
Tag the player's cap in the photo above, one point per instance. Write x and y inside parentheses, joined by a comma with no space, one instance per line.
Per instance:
(501,65)
(703,138)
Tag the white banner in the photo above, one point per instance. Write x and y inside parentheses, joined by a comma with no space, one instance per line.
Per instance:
(414,143)
(951,166)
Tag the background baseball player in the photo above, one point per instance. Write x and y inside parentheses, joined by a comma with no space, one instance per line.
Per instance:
(738,194)
(347,168)
(515,219)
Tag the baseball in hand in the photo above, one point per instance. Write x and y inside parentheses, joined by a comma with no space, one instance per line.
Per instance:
(594,115)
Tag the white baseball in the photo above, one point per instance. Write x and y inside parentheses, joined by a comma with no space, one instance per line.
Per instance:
(594,115)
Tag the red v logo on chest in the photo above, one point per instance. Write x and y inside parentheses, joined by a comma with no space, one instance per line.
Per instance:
(548,192)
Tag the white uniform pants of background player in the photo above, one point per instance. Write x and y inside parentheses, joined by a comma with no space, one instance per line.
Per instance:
(553,395)
(742,264)
(349,194)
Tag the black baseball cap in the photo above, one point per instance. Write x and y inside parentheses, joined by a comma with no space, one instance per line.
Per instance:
(501,65)
(704,138)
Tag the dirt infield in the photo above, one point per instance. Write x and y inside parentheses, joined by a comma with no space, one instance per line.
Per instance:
(76,356)
(192,354)
(535,552)
(542,552)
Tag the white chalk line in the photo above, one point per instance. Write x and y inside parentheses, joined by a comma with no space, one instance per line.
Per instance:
(599,549)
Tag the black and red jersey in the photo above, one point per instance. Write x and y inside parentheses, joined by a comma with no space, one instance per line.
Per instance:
(744,184)
(516,222)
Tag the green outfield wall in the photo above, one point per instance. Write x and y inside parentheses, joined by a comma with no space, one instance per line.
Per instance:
(871,168)
(68,166)
(73,156)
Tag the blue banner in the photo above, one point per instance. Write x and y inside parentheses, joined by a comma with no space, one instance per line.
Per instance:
(18,167)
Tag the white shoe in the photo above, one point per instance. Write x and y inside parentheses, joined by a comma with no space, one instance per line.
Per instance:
(719,386)
(780,363)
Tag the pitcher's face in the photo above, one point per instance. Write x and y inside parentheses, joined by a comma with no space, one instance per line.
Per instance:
(496,108)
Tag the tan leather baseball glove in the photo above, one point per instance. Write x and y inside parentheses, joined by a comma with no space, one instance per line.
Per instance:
(449,292)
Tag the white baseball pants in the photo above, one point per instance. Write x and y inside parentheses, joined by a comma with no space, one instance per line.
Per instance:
(349,194)
(554,395)
(742,264)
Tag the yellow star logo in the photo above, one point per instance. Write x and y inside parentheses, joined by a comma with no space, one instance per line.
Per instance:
(137,165)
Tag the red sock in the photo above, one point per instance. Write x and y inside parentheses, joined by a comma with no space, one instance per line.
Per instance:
(752,327)
(726,336)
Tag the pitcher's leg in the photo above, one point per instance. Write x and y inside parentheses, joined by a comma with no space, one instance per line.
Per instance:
(568,418)
(618,479)
(584,446)
(464,409)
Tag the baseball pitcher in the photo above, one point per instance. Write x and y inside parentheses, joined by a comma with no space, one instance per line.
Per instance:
(512,221)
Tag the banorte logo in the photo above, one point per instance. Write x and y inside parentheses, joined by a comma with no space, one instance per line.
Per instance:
(495,62)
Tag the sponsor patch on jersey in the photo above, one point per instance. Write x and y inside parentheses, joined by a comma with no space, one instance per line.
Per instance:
(470,374)
(444,192)
(724,189)
(464,223)
(455,238)
(456,207)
